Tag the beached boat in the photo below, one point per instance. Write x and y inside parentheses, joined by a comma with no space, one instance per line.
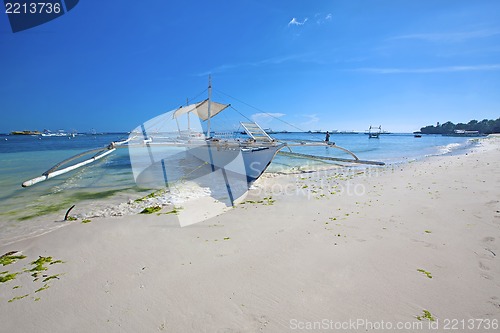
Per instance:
(180,145)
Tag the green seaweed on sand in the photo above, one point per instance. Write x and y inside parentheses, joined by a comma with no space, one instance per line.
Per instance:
(227,238)
(45,286)
(10,258)
(71,218)
(427,231)
(7,277)
(268,201)
(429,275)
(251,201)
(150,210)
(17,298)
(51,277)
(40,266)
(86,221)
(151,195)
(427,315)
(174,211)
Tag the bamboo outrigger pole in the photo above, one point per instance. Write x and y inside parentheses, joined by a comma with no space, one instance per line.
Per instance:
(336,159)
(53,172)
(327,158)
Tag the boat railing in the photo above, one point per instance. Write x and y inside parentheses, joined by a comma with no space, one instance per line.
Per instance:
(223,135)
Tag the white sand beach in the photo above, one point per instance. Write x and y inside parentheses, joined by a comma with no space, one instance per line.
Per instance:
(378,244)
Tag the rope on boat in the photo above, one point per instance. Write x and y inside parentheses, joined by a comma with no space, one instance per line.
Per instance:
(53,172)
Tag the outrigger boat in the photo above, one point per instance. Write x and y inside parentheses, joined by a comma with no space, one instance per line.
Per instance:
(174,146)
(374,132)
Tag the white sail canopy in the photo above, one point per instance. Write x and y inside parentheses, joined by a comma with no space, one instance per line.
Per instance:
(201,109)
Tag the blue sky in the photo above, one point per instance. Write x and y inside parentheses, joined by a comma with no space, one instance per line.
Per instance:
(318,64)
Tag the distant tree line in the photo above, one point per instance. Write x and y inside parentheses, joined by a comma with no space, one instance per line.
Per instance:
(484,126)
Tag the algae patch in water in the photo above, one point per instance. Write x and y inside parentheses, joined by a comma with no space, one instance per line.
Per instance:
(41,210)
(152,195)
(46,209)
(95,195)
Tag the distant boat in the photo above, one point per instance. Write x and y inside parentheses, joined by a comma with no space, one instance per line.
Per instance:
(374,132)
(59,133)
(465,133)
(347,132)
(417,134)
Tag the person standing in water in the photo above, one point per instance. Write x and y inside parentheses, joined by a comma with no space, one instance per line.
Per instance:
(327,138)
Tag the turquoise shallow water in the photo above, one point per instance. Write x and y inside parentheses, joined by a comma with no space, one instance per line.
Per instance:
(25,211)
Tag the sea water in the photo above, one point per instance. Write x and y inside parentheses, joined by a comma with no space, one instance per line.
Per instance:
(105,187)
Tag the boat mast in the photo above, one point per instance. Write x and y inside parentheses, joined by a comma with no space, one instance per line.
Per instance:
(189,124)
(209,103)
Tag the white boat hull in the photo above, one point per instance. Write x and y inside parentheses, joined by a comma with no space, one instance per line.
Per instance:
(248,161)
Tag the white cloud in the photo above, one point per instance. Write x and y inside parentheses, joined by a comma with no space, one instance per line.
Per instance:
(449,69)
(313,120)
(294,21)
(266,120)
(450,36)
(265,117)
(322,18)
(264,62)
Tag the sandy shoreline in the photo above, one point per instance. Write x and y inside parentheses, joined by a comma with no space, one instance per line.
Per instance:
(324,246)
